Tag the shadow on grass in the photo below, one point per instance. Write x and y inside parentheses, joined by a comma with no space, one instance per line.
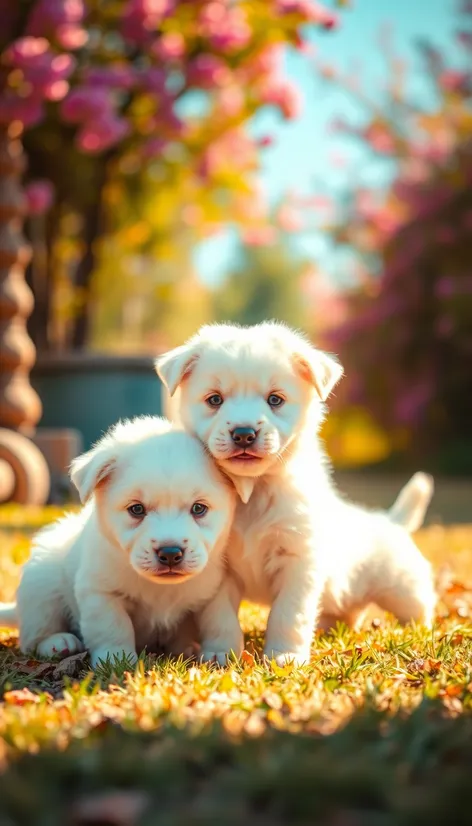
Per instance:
(406,770)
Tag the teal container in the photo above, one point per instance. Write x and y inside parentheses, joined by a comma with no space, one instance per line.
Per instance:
(90,392)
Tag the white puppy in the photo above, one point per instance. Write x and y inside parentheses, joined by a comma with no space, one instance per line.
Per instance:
(255,397)
(147,549)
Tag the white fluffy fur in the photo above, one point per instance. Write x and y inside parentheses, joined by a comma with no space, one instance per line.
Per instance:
(297,546)
(94,580)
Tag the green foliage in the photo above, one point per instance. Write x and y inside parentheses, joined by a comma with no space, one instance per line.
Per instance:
(266,284)
(407,342)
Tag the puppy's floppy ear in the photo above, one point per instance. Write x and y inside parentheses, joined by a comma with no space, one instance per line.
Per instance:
(323,371)
(91,468)
(173,366)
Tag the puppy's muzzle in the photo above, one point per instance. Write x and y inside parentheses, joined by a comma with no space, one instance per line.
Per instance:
(170,555)
(244,436)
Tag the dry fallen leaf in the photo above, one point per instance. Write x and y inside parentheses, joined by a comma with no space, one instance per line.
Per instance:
(454,690)
(455,587)
(248,659)
(34,667)
(70,666)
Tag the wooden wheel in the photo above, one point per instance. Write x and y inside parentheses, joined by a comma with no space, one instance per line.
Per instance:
(24,474)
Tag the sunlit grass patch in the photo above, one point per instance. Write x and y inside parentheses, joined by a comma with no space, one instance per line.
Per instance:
(274,744)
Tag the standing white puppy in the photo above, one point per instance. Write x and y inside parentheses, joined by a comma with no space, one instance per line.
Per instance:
(255,397)
(146,549)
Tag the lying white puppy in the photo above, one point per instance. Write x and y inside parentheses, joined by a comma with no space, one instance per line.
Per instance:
(254,396)
(147,549)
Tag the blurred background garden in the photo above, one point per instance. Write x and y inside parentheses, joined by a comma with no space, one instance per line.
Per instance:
(173,162)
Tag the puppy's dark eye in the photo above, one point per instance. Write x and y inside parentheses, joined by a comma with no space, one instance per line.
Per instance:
(215,400)
(274,400)
(137,510)
(198,509)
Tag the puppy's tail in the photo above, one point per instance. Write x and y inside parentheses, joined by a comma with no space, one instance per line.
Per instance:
(8,615)
(412,502)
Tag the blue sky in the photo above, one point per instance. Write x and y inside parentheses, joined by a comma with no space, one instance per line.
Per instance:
(300,158)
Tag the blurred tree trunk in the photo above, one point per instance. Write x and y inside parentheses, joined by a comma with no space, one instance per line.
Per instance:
(40,277)
(93,227)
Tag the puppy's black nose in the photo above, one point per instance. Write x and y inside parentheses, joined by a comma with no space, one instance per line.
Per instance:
(170,555)
(243,436)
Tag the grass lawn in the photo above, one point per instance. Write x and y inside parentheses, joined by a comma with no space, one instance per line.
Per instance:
(377,730)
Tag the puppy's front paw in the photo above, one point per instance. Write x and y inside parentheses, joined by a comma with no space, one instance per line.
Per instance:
(59,645)
(282,658)
(219,652)
(109,656)
(208,655)
(192,651)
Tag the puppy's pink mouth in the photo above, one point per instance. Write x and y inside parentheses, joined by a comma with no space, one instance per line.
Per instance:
(245,456)
(168,573)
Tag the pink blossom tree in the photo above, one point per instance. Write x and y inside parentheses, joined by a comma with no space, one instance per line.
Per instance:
(105,94)
(407,343)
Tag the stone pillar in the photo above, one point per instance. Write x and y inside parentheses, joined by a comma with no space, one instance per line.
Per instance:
(24,475)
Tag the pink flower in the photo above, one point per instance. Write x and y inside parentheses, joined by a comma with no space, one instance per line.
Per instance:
(292,6)
(153,147)
(269,61)
(170,46)
(55,90)
(304,46)
(231,101)
(312,12)
(365,203)
(48,15)
(380,139)
(385,221)
(285,96)
(233,150)
(71,37)
(45,71)
(166,119)
(318,202)
(102,133)
(226,28)
(29,110)
(262,236)
(207,70)
(142,19)
(28,52)
(289,219)
(266,140)
(59,20)
(152,80)
(452,81)
(233,39)
(118,76)
(85,103)
(39,196)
